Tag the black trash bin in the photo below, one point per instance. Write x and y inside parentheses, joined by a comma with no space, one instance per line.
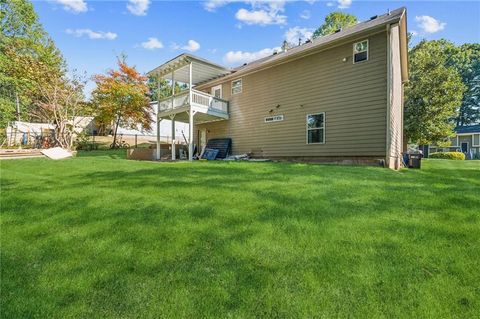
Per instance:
(414,160)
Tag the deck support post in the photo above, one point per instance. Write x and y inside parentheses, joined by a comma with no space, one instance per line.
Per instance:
(173,89)
(158,137)
(174,155)
(190,114)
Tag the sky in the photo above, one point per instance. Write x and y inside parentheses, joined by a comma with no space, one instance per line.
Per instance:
(92,33)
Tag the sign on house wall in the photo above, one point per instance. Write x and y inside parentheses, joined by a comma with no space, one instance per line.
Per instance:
(275,118)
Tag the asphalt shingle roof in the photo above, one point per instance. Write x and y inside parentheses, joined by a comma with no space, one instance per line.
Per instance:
(468,129)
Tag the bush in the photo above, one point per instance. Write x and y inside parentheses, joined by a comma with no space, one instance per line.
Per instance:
(448,155)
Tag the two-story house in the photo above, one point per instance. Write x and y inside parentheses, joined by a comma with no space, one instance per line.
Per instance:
(337,98)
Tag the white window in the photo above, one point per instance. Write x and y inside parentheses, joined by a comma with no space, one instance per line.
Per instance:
(360,51)
(236,86)
(316,128)
(476,139)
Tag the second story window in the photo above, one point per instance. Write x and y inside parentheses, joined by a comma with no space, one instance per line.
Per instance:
(360,51)
(236,86)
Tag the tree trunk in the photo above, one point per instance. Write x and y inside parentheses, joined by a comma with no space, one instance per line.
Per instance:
(115,132)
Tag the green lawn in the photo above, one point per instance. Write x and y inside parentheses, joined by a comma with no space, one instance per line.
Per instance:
(100,236)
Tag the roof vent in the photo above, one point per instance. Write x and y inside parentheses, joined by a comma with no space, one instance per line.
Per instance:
(244,64)
(308,41)
(274,52)
(374,17)
(338,30)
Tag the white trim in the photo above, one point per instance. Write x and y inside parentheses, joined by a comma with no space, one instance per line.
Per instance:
(465,134)
(191,113)
(241,86)
(367,50)
(216,87)
(317,128)
(388,137)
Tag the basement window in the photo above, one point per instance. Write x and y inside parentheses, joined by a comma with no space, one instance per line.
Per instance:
(236,86)
(316,128)
(360,51)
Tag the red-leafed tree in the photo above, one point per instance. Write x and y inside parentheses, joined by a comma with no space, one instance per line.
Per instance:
(121,98)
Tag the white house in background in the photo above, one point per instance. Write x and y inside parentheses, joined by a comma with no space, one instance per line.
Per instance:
(165,129)
(465,140)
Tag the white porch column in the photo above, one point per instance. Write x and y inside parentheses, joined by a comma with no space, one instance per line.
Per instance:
(190,135)
(174,155)
(173,89)
(158,137)
(158,119)
(190,114)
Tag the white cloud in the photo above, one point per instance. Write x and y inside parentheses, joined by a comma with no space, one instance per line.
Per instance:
(305,14)
(94,35)
(240,57)
(152,44)
(263,13)
(191,46)
(344,4)
(330,4)
(75,6)
(293,34)
(138,7)
(429,24)
(212,5)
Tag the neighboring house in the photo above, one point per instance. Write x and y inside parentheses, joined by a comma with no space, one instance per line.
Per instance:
(466,140)
(165,129)
(84,123)
(336,98)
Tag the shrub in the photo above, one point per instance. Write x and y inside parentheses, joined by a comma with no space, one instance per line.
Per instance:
(448,155)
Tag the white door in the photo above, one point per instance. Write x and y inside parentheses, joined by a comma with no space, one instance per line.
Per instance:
(217,91)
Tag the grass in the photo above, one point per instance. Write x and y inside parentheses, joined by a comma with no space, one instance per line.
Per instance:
(100,236)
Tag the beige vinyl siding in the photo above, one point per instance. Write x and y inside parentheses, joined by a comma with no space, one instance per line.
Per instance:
(353,97)
(395,132)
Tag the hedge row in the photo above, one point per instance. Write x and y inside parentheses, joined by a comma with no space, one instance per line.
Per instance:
(448,155)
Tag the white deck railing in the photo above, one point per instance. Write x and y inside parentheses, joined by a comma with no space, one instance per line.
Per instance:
(198,99)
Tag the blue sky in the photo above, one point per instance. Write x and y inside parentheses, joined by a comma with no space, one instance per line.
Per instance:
(91,33)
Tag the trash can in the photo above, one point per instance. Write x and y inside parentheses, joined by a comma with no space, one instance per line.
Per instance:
(414,160)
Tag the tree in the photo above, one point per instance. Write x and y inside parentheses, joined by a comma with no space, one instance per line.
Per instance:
(467,62)
(121,97)
(28,58)
(433,93)
(165,89)
(61,103)
(335,21)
